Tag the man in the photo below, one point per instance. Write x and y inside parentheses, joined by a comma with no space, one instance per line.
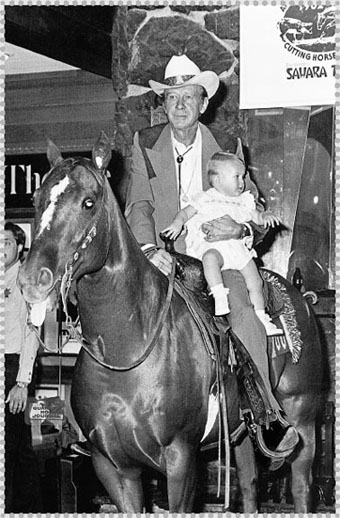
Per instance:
(22,484)
(168,165)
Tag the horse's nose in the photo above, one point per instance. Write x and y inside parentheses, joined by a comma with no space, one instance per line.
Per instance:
(45,278)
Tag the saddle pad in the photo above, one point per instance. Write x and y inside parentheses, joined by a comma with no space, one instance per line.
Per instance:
(277,345)
(272,295)
(286,316)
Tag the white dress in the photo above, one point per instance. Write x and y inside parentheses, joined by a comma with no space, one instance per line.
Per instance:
(212,204)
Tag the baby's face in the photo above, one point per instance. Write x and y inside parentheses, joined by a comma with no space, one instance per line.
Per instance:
(230,178)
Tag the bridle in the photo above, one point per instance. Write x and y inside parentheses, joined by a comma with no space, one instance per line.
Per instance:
(67,277)
(66,281)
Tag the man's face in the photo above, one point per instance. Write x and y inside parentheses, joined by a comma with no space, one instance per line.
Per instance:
(12,249)
(184,105)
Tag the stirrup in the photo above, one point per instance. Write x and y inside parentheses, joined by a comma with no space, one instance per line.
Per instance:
(81,447)
(273,454)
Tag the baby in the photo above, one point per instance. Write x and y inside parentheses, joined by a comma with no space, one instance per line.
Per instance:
(226,174)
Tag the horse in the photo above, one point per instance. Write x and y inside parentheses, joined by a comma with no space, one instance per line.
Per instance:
(141,384)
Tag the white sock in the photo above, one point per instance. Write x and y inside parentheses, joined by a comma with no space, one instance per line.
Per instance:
(220,294)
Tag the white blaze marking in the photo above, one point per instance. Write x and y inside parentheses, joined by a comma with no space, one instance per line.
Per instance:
(56,191)
(99,162)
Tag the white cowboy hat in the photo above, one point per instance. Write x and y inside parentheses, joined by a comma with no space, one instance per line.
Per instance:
(182,71)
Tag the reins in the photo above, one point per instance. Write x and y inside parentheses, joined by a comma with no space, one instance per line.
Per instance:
(153,339)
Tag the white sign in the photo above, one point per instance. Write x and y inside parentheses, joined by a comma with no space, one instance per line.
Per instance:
(287,56)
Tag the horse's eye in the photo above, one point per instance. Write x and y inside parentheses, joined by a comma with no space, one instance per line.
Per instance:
(88,203)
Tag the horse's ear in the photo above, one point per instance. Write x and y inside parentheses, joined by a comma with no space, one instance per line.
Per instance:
(239,150)
(101,152)
(53,153)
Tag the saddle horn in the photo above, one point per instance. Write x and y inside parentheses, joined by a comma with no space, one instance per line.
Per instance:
(101,152)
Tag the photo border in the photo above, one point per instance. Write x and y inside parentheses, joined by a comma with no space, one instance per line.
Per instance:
(337,195)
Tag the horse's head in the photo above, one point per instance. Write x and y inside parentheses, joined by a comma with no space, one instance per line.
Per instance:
(69,215)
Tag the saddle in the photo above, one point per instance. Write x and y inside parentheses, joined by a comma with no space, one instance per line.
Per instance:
(192,283)
(219,339)
(189,272)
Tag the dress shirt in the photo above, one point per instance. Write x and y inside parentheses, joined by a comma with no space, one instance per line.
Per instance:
(191,167)
(19,339)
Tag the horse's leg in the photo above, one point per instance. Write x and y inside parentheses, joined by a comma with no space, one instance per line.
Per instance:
(300,412)
(181,477)
(247,474)
(302,469)
(126,493)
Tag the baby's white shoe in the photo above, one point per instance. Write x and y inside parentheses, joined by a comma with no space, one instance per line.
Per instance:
(270,327)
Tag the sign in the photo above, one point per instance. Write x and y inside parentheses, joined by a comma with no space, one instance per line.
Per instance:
(46,408)
(23,175)
(287,56)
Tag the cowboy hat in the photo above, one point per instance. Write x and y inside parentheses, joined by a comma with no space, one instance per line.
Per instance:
(181,71)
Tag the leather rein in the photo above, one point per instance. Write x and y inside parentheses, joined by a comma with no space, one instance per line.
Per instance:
(154,338)
(66,281)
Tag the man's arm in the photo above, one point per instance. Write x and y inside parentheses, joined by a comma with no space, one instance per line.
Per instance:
(227,228)
(141,222)
(139,200)
(139,211)
(17,396)
(27,356)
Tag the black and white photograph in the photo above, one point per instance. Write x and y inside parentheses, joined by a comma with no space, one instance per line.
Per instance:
(163,355)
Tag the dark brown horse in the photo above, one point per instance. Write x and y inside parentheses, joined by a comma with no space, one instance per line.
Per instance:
(150,407)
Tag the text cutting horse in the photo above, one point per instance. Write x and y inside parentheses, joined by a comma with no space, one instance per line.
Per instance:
(151,409)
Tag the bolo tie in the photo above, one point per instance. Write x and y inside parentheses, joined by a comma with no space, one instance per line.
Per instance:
(179,160)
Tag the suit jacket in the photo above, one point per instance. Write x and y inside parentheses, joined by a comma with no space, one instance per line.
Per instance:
(152,197)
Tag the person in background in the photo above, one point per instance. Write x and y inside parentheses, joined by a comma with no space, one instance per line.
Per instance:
(22,482)
(168,166)
(226,173)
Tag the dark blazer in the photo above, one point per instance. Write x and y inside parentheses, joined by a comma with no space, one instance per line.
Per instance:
(152,197)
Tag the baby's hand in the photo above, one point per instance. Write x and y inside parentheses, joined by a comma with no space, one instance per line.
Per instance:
(269,220)
(172,231)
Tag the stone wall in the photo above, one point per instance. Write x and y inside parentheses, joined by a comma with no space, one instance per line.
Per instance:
(145,38)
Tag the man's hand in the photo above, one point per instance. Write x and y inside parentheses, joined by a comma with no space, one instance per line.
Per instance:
(222,228)
(17,399)
(162,260)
